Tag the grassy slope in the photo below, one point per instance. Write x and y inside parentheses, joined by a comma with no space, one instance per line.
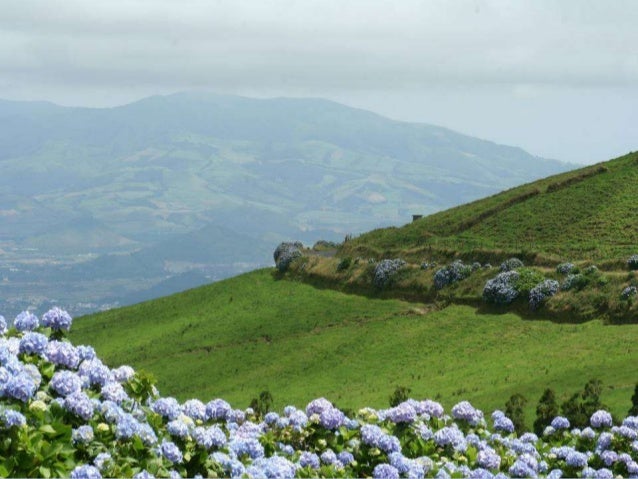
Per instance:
(302,342)
(590,219)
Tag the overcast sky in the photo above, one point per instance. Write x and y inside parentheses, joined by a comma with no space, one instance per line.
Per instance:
(557,78)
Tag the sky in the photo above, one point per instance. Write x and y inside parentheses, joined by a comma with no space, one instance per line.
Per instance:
(557,78)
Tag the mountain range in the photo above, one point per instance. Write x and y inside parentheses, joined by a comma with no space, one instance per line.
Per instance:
(101,206)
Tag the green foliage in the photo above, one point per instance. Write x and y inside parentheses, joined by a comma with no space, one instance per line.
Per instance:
(546,411)
(141,387)
(344,263)
(581,405)
(515,410)
(400,394)
(633,411)
(527,279)
(262,404)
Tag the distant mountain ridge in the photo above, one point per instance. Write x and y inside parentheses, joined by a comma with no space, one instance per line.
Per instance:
(262,169)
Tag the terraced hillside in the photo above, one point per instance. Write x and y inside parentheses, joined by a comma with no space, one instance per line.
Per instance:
(586,214)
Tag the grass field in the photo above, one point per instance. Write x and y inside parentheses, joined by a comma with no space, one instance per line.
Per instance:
(235,338)
(586,214)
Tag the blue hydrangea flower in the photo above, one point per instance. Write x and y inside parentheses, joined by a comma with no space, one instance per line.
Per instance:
(250,447)
(576,459)
(488,458)
(309,459)
(11,418)
(433,408)
(146,433)
(26,321)
(403,413)
(144,475)
(466,412)
(195,409)
(80,404)
(451,436)
(86,353)
(101,460)
(65,383)
(123,373)
(126,426)
(57,319)
(601,419)
(62,353)
(560,422)
(167,407)
(525,465)
(171,452)
(317,406)
(33,343)
(385,471)
(218,410)
(86,471)
(96,372)
(178,428)
(504,424)
(82,435)
(275,467)
(328,457)
(345,458)
(3,326)
(113,391)
(371,434)
(21,387)
(331,418)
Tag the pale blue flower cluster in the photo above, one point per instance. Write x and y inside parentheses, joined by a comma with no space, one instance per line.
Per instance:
(285,254)
(629,292)
(542,292)
(456,271)
(57,319)
(511,264)
(26,321)
(385,270)
(565,268)
(501,289)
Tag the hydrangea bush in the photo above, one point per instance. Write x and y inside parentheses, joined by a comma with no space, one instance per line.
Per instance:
(629,292)
(511,264)
(565,268)
(455,271)
(501,289)
(64,413)
(285,254)
(542,292)
(576,282)
(385,270)
(632,262)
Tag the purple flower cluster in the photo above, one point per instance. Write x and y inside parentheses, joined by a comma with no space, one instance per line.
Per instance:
(57,319)
(501,289)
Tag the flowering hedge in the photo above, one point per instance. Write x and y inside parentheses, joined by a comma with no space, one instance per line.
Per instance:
(385,270)
(63,413)
(542,292)
(511,264)
(285,254)
(455,271)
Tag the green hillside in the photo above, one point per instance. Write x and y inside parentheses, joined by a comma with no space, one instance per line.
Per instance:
(587,213)
(235,338)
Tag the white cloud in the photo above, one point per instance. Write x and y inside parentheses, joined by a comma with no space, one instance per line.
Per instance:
(98,53)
